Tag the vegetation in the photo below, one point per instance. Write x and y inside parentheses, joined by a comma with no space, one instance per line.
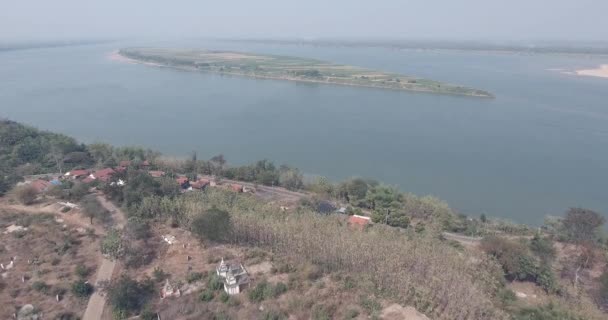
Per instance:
(128,296)
(213,225)
(291,68)
(82,289)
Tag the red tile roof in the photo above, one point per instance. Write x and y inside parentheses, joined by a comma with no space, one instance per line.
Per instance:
(181,180)
(40,185)
(156,174)
(200,184)
(145,163)
(358,221)
(236,187)
(88,179)
(78,173)
(104,174)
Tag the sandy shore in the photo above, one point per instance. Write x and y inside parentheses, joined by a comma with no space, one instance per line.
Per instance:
(601,71)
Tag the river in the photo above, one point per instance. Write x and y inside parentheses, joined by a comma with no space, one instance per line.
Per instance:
(540,147)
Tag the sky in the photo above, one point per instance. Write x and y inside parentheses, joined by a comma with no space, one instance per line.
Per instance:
(500,20)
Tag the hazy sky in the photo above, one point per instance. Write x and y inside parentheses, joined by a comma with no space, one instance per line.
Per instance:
(405,19)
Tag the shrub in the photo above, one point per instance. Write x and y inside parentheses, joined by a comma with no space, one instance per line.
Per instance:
(194,276)
(206,295)
(543,248)
(215,282)
(214,225)
(26,194)
(41,286)
(369,304)
(274,315)
(604,287)
(224,297)
(126,295)
(112,244)
(159,275)
(81,289)
(320,312)
(82,271)
(279,289)
(351,314)
(258,293)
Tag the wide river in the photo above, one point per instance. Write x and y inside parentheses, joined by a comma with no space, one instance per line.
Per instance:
(540,147)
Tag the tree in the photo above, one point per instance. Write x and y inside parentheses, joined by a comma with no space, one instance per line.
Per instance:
(82,289)
(93,209)
(129,296)
(543,248)
(581,225)
(214,225)
(26,194)
(290,178)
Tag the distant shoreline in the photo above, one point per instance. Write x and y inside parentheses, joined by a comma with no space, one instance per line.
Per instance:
(117,56)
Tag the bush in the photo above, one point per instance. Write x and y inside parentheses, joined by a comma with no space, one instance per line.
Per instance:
(26,194)
(274,315)
(206,295)
(351,314)
(604,287)
(542,248)
(215,282)
(258,293)
(369,304)
(159,275)
(41,286)
(82,289)
(224,297)
(82,271)
(112,244)
(214,225)
(126,295)
(194,276)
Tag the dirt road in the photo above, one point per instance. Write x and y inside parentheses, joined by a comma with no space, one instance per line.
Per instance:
(265,192)
(97,301)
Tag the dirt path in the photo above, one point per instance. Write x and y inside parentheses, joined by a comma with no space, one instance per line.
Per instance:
(265,192)
(97,301)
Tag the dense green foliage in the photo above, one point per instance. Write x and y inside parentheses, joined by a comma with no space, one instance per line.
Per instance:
(25,150)
(82,289)
(214,225)
(518,263)
(128,296)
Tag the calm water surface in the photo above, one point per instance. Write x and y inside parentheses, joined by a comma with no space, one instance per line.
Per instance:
(540,147)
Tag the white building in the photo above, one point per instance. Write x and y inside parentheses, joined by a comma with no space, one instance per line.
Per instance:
(235,277)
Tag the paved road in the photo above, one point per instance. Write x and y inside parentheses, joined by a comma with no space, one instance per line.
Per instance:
(97,302)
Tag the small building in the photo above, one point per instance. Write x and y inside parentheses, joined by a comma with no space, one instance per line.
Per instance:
(76,174)
(359,222)
(236,188)
(235,277)
(104,174)
(183,182)
(200,184)
(145,163)
(40,185)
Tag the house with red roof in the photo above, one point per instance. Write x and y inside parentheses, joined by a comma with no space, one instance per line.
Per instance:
(156,174)
(78,173)
(200,184)
(236,188)
(359,222)
(103,174)
(183,182)
(40,185)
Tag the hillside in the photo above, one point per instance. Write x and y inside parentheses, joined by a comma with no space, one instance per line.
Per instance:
(167,225)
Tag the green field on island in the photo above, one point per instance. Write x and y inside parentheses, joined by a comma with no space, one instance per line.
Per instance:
(291,68)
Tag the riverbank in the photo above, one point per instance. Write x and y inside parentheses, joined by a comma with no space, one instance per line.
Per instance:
(601,72)
(289,69)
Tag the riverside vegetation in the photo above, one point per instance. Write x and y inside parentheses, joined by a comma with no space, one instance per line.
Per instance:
(290,68)
(403,258)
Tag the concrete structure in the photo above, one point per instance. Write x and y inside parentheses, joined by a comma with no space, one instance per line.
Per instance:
(235,277)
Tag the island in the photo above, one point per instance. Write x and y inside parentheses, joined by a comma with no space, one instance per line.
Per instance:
(290,68)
